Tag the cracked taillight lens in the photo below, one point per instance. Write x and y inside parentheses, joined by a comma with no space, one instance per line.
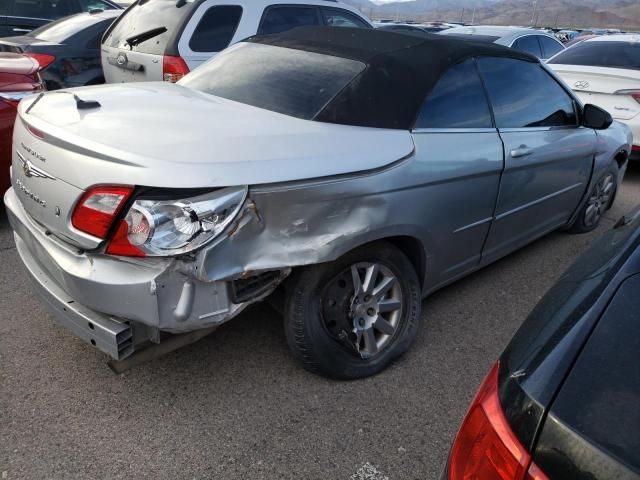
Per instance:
(173,227)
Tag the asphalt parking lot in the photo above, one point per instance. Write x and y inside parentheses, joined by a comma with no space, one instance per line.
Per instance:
(235,405)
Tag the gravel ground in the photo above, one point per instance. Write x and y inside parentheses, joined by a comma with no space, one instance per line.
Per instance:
(236,406)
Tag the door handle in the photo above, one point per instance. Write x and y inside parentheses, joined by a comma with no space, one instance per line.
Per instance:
(521,151)
(21,30)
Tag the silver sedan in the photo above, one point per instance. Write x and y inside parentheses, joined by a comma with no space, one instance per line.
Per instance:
(538,43)
(345,174)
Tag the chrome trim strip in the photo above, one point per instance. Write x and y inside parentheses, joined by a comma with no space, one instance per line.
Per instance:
(539,200)
(473,225)
(538,129)
(31,18)
(455,130)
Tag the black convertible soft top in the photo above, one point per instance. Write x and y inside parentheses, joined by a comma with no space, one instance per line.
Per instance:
(401,69)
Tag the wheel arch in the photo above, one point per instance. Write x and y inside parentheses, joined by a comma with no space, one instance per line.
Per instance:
(414,251)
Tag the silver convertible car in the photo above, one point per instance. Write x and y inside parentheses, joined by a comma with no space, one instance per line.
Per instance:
(345,173)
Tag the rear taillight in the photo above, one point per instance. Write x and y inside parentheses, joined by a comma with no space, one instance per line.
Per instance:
(13,102)
(13,98)
(120,244)
(98,209)
(173,68)
(43,59)
(486,448)
(635,148)
(635,94)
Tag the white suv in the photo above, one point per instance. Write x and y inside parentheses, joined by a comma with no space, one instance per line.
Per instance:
(165,39)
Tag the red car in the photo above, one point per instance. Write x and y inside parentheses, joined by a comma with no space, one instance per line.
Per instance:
(18,77)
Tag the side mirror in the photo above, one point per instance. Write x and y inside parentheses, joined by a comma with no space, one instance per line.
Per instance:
(596,118)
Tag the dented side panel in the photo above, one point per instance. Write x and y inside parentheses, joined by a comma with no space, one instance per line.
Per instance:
(441,196)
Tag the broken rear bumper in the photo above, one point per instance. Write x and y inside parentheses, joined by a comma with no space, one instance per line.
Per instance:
(114,303)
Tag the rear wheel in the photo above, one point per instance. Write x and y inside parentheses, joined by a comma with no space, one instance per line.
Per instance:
(599,201)
(351,318)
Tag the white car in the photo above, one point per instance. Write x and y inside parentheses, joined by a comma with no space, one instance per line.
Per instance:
(605,71)
(166,39)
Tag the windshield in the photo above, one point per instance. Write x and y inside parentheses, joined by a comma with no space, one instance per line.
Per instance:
(601,54)
(149,16)
(283,80)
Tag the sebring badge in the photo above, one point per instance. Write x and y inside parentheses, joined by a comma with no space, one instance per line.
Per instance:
(31,171)
(121,59)
(581,84)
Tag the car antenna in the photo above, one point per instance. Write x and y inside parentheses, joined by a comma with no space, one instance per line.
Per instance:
(33,104)
(80,103)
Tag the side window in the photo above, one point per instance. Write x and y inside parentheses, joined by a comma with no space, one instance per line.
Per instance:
(280,19)
(4,8)
(336,17)
(523,94)
(528,44)
(457,101)
(550,47)
(216,28)
(47,9)
(89,5)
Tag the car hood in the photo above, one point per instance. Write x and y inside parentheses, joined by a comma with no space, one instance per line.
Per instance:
(161,134)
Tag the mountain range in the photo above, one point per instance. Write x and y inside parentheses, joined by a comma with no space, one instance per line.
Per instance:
(561,13)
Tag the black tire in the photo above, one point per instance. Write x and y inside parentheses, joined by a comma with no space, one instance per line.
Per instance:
(311,338)
(604,200)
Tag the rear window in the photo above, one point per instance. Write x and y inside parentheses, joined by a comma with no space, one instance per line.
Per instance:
(216,28)
(528,44)
(550,47)
(148,16)
(601,54)
(61,30)
(283,80)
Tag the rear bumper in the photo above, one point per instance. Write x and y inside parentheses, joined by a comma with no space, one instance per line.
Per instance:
(113,336)
(115,303)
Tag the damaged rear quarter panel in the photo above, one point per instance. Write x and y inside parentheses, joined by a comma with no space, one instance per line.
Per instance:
(308,222)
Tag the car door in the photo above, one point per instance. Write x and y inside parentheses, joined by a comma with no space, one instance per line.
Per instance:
(460,157)
(548,156)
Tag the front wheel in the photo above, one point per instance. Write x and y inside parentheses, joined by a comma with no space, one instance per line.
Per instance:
(599,201)
(352,317)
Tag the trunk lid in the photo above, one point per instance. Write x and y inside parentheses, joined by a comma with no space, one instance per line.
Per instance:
(17,64)
(165,135)
(21,44)
(598,85)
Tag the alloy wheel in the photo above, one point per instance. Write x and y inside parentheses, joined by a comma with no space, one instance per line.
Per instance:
(362,308)
(599,200)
